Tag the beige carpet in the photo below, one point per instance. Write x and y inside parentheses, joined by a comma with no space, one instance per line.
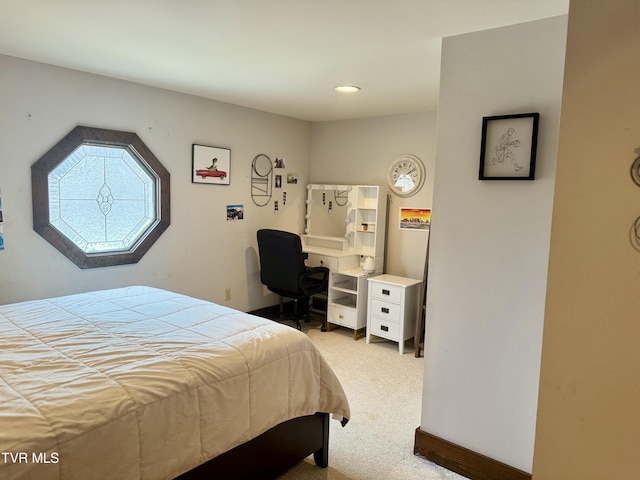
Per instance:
(385,394)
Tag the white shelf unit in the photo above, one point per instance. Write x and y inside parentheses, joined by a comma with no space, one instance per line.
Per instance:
(348,300)
(366,220)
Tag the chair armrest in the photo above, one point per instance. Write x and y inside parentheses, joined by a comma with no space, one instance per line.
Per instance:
(314,270)
(320,274)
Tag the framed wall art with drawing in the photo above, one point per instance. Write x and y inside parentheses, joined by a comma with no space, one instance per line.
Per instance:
(508,148)
(210,165)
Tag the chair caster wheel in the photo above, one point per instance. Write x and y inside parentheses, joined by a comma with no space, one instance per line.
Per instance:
(323,328)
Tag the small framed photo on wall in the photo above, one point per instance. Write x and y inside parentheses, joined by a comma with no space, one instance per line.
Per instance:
(415,219)
(508,149)
(210,165)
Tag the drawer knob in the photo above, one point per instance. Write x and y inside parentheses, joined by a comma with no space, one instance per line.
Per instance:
(384,310)
(385,291)
(340,316)
(384,328)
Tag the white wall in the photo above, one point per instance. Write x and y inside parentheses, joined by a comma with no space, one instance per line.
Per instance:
(490,243)
(360,152)
(589,408)
(201,253)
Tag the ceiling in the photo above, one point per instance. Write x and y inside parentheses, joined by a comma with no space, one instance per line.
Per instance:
(279,56)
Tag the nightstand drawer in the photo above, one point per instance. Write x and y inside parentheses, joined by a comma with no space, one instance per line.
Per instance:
(386,310)
(384,291)
(384,328)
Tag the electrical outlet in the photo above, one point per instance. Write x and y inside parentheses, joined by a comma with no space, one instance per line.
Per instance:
(227,294)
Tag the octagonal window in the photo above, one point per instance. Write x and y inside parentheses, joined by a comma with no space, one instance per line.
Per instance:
(101,197)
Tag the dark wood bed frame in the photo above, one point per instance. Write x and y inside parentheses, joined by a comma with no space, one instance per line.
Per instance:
(272,453)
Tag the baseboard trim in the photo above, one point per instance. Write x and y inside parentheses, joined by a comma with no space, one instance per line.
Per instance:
(463,461)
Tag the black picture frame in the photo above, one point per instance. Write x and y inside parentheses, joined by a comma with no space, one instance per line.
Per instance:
(509,146)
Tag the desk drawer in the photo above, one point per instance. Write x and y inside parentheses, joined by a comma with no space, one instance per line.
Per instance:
(386,310)
(384,291)
(347,317)
(316,260)
(384,328)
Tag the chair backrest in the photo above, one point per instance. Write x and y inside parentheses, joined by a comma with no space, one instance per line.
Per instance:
(281,259)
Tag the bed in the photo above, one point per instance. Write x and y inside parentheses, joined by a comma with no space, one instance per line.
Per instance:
(142,383)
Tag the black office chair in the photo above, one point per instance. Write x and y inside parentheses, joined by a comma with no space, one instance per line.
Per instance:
(283,271)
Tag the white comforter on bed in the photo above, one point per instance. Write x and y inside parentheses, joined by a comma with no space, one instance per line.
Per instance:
(141,383)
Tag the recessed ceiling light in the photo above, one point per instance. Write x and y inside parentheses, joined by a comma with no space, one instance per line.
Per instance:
(347,89)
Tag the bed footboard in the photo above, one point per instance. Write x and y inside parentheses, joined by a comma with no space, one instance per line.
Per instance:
(272,453)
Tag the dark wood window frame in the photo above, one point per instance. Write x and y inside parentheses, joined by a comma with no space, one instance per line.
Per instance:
(40,195)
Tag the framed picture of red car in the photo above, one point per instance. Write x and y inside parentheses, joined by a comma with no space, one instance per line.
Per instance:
(210,165)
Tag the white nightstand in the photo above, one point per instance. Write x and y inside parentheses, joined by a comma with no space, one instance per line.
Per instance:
(394,303)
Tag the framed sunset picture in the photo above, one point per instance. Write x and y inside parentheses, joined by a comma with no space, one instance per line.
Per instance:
(415,219)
